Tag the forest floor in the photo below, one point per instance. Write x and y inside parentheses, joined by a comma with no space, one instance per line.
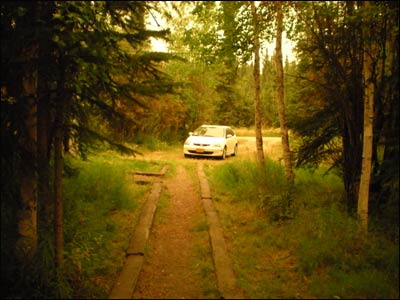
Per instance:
(178,262)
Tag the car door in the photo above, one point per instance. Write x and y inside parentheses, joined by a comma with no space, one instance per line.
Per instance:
(230,140)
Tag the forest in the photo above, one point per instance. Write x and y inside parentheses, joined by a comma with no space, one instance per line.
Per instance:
(79,77)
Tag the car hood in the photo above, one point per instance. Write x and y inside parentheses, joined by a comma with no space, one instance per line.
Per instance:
(205,139)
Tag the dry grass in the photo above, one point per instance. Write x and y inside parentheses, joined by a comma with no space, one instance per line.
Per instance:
(250,131)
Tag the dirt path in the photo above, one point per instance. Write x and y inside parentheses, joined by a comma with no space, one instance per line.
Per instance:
(169,271)
(168,268)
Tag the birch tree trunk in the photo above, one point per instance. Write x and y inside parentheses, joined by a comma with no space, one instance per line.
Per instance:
(256,75)
(366,163)
(287,157)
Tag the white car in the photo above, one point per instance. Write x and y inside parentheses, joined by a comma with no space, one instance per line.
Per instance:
(211,140)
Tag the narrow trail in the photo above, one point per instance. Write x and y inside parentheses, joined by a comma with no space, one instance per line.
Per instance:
(168,268)
(180,251)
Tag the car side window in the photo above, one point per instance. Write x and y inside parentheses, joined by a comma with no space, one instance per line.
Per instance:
(229,131)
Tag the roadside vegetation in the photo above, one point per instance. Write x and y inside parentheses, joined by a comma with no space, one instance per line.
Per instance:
(300,242)
(249,131)
(102,205)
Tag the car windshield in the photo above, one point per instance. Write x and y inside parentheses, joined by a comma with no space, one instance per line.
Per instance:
(209,131)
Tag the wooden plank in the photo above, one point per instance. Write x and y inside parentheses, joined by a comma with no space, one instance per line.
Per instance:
(223,264)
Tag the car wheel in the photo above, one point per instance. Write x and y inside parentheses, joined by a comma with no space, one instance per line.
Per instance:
(223,156)
(235,150)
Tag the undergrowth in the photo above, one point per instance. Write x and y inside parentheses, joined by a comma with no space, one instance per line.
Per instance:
(101,204)
(324,255)
(97,194)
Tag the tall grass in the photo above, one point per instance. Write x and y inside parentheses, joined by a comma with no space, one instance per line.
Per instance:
(324,255)
(96,193)
(246,181)
(101,204)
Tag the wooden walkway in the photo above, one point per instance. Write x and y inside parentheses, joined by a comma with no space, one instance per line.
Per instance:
(125,284)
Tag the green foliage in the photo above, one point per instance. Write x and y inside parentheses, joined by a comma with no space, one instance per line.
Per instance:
(267,188)
(94,59)
(235,177)
(219,86)
(214,75)
(91,61)
(353,265)
(366,284)
(318,188)
(95,191)
(327,109)
(98,189)
(328,242)
(327,257)
(110,190)
(152,143)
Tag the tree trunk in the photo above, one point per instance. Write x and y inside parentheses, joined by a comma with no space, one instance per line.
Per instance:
(389,171)
(45,206)
(287,157)
(26,244)
(352,109)
(59,166)
(58,187)
(363,195)
(256,75)
(45,200)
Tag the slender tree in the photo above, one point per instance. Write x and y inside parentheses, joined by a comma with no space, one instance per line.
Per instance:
(280,96)
(369,89)
(256,75)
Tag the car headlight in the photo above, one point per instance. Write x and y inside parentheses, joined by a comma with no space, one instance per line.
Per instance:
(217,145)
(187,142)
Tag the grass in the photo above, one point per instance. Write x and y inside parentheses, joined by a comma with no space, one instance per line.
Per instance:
(299,243)
(102,205)
(152,143)
(285,243)
(162,205)
(250,131)
(202,262)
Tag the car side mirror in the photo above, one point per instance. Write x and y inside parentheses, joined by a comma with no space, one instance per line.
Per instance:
(190,133)
(229,135)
